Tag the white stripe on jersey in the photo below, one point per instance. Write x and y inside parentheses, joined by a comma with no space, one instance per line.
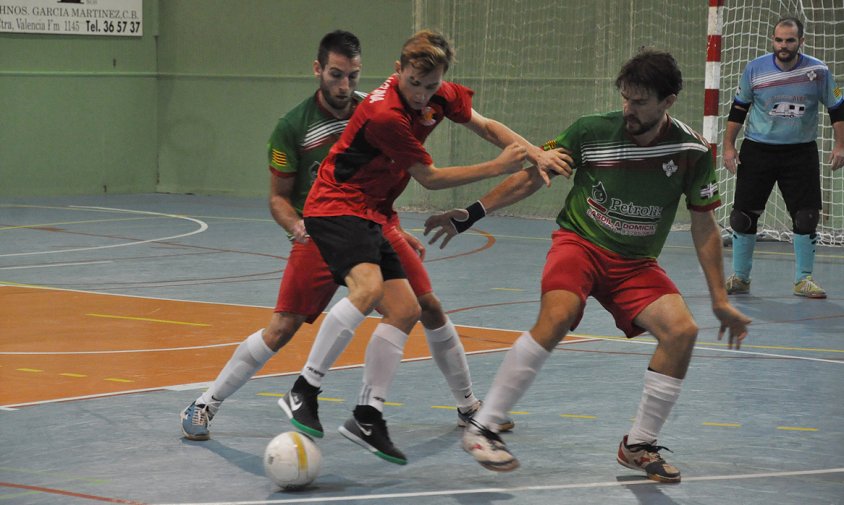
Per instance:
(318,132)
(624,151)
(772,77)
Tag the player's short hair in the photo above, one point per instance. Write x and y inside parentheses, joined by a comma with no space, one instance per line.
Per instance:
(791,21)
(651,69)
(339,42)
(426,50)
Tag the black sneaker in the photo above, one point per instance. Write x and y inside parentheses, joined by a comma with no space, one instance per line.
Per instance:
(301,406)
(368,429)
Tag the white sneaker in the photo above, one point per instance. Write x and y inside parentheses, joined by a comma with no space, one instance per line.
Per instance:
(488,449)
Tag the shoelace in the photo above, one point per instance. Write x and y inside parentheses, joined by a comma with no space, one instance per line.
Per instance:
(486,432)
(200,416)
(650,448)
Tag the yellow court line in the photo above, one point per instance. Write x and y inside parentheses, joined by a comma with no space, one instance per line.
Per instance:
(577,416)
(109,316)
(31,370)
(795,428)
(74,375)
(114,379)
(722,425)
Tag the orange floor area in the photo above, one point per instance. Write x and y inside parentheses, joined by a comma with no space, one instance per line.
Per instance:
(66,344)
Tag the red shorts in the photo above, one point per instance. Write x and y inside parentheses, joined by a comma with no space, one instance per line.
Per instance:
(410,261)
(307,285)
(623,286)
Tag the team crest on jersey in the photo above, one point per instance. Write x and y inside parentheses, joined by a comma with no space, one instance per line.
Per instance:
(811,75)
(837,92)
(708,190)
(427,118)
(669,168)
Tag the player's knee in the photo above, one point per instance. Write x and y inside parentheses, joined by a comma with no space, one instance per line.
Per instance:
(431,307)
(281,329)
(743,221)
(406,315)
(805,221)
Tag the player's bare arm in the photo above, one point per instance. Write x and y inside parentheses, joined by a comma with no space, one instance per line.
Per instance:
(511,190)
(836,156)
(550,163)
(281,208)
(731,131)
(508,161)
(707,240)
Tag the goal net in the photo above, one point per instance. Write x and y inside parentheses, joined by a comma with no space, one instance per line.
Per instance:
(538,65)
(746,34)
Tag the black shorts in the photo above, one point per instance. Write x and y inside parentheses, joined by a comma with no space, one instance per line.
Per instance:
(795,168)
(345,241)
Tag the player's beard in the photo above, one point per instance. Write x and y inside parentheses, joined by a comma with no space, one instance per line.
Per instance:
(338,103)
(786,56)
(636,127)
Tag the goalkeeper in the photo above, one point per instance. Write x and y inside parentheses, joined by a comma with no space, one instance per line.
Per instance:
(630,169)
(781,91)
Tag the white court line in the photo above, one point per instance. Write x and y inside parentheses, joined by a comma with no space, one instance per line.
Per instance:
(752,353)
(587,485)
(202,227)
(51,265)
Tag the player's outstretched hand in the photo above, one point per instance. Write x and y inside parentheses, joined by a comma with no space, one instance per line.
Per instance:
(554,162)
(443,227)
(512,157)
(734,321)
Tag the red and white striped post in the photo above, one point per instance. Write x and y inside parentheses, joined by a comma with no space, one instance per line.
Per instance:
(712,79)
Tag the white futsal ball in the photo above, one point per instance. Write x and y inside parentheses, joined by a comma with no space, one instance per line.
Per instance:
(292,460)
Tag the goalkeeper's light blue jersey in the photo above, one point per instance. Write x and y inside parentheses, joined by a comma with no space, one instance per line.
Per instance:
(784,104)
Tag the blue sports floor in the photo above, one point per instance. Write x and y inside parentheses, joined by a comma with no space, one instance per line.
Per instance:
(763,425)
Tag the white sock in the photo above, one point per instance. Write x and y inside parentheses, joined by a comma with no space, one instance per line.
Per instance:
(515,375)
(658,397)
(383,355)
(249,357)
(447,351)
(334,335)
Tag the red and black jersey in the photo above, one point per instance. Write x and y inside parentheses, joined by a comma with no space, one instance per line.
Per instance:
(366,170)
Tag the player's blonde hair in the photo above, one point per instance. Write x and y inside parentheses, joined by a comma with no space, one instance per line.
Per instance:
(426,50)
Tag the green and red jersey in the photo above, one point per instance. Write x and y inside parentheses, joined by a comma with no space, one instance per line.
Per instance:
(300,141)
(625,196)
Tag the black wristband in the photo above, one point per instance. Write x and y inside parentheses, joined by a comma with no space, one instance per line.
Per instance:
(737,114)
(476,213)
(836,114)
